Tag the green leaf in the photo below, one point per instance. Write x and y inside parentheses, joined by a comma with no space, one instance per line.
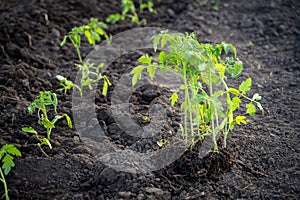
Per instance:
(164,40)
(29,130)
(236,70)
(137,71)
(251,109)
(106,83)
(63,42)
(11,149)
(155,42)
(145,59)
(113,18)
(218,93)
(60,78)
(151,70)
(8,163)
(47,123)
(46,142)
(226,48)
(86,82)
(234,91)
(245,86)
(240,119)
(236,103)
(200,97)
(173,98)
(229,46)
(69,121)
(89,37)
(162,57)
(100,31)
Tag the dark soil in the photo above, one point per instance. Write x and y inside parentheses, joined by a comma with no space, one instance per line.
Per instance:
(262,157)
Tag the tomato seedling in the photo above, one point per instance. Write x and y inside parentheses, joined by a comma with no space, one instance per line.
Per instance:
(44,99)
(129,11)
(7,153)
(203,68)
(89,72)
(92,31)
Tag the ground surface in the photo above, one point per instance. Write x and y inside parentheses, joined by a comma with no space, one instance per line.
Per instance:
(262,158)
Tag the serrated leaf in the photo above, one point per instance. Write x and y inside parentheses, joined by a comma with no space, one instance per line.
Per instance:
(11,149)
(151,70)
(245,86)
(240,119)
(8,163)
(137,71)
(251,109)
(29,130)
(162,57)
(236,103)
(173,98)
(163,41)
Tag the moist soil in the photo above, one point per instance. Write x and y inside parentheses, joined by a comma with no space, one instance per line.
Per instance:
(261,160)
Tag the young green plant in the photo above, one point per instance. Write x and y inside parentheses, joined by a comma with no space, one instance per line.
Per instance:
(129,11)
(209,103)
(89,72)
(7,153)
(92,31)
(41,102)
